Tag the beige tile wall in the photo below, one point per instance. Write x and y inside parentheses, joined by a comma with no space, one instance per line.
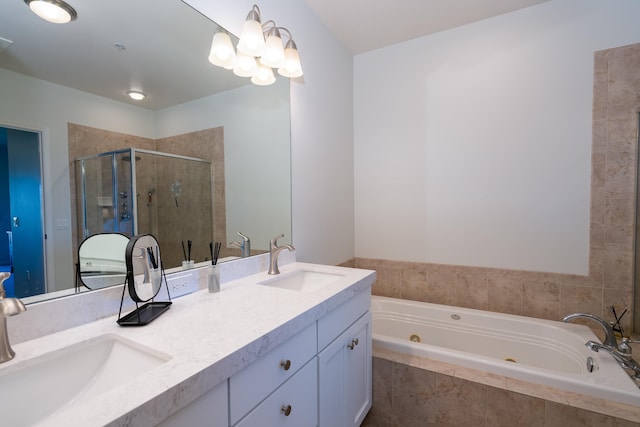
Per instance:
(208,145)
(541,295)
(549,295)
(407,396)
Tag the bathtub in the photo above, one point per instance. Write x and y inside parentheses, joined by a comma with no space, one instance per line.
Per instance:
(533,350)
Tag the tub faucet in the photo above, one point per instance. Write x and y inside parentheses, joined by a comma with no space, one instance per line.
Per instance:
(8,307)
(245,245)
(274,251)
(609,339)
(625,360)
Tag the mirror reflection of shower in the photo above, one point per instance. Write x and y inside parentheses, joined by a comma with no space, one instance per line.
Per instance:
(134,192)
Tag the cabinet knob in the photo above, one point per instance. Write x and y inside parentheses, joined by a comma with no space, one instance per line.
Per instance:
(285,364)
(354,342)
(286,410)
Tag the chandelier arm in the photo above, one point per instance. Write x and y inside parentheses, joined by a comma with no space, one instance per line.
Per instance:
(269,25)
(286,31)
(255,9)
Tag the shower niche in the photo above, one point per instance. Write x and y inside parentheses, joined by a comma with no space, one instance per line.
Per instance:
(136,191)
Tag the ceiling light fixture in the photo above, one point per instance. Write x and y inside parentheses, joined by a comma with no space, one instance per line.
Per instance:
(259,50)
(55,11)
(136,95)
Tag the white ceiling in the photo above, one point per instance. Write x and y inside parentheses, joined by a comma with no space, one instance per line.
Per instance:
(364,25)
(167,45)
(167,42)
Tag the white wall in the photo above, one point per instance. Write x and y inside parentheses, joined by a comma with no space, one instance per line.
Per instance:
(33,104)
(472,146)
(321,128)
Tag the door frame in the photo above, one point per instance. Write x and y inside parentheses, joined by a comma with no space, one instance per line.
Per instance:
(45,189)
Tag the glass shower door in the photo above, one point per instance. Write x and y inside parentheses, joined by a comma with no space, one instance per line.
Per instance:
(104,194)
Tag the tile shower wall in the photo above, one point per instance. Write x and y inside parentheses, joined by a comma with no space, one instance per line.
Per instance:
(86,141)
(206,144)
(616,103)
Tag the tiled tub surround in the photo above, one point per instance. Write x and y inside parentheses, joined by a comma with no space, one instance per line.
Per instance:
(409,391)
(209,338)
(471,335)
(548,296)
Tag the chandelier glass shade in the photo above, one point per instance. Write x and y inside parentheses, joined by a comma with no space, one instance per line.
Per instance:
(259,51)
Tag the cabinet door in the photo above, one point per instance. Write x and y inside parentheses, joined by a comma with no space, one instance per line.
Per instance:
(345,377)
(358,360)
(210,410)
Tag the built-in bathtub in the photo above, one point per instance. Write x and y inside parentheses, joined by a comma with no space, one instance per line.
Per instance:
(533,350)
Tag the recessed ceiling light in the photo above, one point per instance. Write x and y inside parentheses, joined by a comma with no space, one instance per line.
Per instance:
(55,11)
(136,95)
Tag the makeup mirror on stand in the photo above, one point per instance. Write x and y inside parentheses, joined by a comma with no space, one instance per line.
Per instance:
(144,280)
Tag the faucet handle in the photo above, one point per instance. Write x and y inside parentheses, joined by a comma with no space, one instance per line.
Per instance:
(624,346)
(274,240)
(243,237)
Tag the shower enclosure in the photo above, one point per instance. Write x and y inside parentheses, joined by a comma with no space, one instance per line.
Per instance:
(135,191)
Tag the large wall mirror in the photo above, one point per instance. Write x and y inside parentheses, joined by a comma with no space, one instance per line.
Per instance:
(67,85)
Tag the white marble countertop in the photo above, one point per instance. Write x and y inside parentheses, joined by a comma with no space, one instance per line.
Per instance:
(209,337)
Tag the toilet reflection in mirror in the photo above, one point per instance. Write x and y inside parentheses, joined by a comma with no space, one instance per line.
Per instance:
(101,260)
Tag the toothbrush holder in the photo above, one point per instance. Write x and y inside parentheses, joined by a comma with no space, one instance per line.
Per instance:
(213,278)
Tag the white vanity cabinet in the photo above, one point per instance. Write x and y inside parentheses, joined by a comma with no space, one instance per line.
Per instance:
(344,365)
(210,410)
(319,377)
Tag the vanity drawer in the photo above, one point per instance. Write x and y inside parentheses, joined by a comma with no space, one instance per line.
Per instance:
(251,385)
(338,320)
(295,404)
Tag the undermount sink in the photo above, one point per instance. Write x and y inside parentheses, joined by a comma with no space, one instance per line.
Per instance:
(302,280)
(36,389)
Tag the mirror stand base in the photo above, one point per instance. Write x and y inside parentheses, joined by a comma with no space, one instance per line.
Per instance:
(145,314)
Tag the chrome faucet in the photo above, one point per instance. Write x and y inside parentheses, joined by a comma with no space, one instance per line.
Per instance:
(609,337)
(274,251)
(8,307)
(625,360)
(245,245)
(621,353)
